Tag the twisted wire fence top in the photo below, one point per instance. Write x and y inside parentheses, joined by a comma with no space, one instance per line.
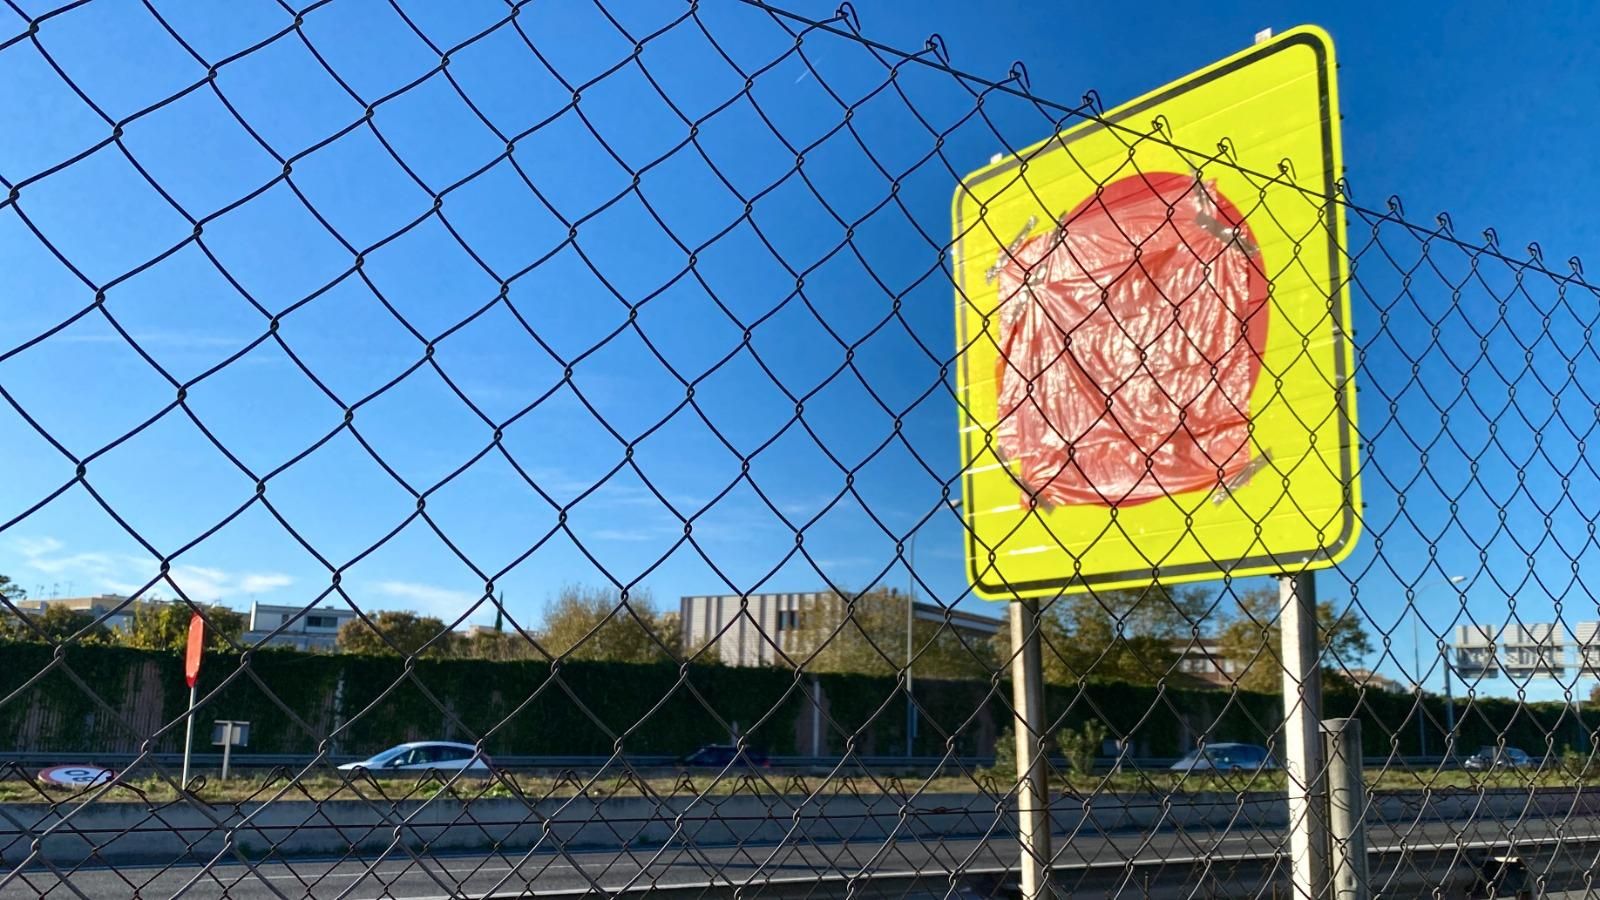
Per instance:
(574,384)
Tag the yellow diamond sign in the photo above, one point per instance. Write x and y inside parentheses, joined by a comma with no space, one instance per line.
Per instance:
(1155,373)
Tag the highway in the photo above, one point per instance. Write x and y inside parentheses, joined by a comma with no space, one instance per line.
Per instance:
(809,868)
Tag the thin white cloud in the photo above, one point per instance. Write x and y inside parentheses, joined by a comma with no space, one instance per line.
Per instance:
(200,584)
(36,546)
(428,599)
(258,583)
(123,573)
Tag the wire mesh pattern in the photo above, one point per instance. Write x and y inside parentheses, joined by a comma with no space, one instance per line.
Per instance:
(628,297)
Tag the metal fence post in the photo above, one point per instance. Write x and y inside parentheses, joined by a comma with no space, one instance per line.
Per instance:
(1033,782)
(1302,718)
(227,748)
(1347,806)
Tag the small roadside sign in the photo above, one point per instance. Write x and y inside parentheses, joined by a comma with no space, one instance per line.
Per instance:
(1156,378)
(76,776)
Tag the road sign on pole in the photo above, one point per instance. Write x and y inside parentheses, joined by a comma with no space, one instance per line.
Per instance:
(191,675)
(229,734)
(1156,379)
(1156,375)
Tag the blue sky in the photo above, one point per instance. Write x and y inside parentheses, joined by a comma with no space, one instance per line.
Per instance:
(1485,114)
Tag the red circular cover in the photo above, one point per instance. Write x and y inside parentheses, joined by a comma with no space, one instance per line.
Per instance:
(1130,341)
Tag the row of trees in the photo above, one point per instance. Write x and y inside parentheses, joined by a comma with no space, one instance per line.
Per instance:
(582,623)
(586,623)
(1132,636)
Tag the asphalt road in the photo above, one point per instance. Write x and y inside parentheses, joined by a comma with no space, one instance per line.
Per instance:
(816,869)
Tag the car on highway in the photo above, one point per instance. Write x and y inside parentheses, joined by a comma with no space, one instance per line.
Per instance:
(721,756)
(1498,758)
(1226,757)
(423,756)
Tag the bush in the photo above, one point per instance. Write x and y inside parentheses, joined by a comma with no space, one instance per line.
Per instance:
(1081,746)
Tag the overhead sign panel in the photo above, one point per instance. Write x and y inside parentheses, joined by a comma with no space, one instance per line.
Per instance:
(1155,362)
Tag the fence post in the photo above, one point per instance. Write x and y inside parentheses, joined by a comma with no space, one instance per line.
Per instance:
(816,717)
(1347,807)
(1302,720)
(1033,782)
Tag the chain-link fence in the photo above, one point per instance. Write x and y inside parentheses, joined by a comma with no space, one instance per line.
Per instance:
(554,396)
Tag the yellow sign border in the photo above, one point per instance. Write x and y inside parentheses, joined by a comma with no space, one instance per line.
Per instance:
(1282,562)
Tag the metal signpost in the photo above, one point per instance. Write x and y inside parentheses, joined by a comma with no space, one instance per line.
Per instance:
(1033,783)
(229,734)
(1156,378)
(1302,736)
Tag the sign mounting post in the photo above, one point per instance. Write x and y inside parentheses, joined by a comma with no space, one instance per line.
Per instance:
(192,655)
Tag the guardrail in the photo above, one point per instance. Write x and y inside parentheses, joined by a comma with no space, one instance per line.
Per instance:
(118,761)
(891,764)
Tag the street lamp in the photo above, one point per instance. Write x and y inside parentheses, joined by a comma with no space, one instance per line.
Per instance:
(1444,657)
(911,645)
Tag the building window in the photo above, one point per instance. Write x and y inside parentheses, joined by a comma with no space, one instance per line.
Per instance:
(788,620)
(322,621)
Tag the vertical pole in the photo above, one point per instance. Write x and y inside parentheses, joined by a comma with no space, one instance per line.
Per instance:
(1449,707)
(227,747)
(188,737)
(1302,716)
(1033,785)
(1347,805)
(911,618)
(816,716)
(1416,680)
(1577,713)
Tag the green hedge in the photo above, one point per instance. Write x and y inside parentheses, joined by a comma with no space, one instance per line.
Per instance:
(294,701)
(593,708)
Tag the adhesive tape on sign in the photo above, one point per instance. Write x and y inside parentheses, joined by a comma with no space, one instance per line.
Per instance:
(75,776)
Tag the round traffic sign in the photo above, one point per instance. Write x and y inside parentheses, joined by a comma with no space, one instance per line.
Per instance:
(76,776)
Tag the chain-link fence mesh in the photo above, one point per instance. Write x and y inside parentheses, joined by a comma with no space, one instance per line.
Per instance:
(447,344)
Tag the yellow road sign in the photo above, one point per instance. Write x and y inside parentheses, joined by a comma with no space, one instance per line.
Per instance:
(1155,374)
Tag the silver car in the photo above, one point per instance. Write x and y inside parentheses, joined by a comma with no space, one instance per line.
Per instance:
(424,756)
(1226,758)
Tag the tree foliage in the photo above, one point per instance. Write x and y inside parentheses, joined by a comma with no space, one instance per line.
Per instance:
(1131,635)
(497,646)
(594,623)
(55,623)
(398,633)
(162,625)
(867,635)
(1253,639)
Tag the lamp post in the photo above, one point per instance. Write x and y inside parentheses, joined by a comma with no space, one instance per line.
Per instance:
(1444,657)
(911,645)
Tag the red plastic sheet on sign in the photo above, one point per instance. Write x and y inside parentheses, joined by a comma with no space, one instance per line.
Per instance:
(195,650)
(1131,338)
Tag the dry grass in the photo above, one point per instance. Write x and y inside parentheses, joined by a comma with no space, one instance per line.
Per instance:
(325,786)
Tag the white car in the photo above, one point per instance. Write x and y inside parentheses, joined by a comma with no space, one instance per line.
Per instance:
(423,756)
